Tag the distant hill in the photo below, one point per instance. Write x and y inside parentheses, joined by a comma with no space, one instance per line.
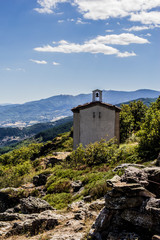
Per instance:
(146,101)
(13,135)
(59,106)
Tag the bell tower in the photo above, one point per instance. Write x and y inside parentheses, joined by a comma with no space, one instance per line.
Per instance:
(97,96)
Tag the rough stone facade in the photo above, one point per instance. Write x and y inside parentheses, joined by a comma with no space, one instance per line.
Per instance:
(95,121)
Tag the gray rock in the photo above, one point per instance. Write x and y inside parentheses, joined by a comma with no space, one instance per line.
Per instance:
(41,179)
(34,205)
(102,222)
(39,223)
(153,173)
(130,205)
(76,185)
(122,202)
(9,216)
(143,220)
(135,175)
(126,165)
(87,198)
(113,180)
(96,205)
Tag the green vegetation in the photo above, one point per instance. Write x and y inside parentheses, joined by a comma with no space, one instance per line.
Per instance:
(131,118)
(49,134)
(61,126)
(92,166)
(149,135)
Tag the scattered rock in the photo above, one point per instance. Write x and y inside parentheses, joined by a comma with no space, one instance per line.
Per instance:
(40,179)
(34,226)
(34,205)
(87,198)
(126,165)
(96,205)
(76,185)
(9,216)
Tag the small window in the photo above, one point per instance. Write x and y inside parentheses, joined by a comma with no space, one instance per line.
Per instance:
(94,114)
(99,114)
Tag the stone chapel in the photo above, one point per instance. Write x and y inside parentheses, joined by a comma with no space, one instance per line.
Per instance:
(95,121)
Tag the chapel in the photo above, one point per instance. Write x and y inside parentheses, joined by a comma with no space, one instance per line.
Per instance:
(95,121)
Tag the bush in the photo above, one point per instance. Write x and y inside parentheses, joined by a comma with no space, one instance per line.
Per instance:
(62,185)
(58,200)
(94,153)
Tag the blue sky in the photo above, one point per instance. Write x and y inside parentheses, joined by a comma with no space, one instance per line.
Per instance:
(50,47)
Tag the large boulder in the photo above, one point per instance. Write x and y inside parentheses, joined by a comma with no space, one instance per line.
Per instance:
(34,205)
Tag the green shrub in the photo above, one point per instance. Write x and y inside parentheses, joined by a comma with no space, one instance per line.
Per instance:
(94,153)
(62,185)
(58,200)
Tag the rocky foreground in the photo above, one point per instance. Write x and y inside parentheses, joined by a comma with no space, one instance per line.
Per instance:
(132,207)
(33,218)
(131,210)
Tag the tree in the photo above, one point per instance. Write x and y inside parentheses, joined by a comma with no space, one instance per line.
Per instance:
(131,118)
(149,145)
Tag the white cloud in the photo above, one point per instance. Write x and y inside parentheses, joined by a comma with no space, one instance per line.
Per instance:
(148,35)
(20,69)
(38,61)
(138,28)
(71,20)
(56,63)
(96,45)
(152,17)
(121,39)
(7,69)
(79,21)
(104,9)
(60,21)
(126,54)
(14,69)
(46,6)
(108,30)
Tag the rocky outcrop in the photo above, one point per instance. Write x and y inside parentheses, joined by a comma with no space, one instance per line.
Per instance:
(33,205)
(73,224)
(35,224)
(132,207)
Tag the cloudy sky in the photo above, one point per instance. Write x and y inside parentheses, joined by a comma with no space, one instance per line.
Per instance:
(50,47)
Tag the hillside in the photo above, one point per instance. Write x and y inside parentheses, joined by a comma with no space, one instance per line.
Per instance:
(146,101)
(10,135)
(48,191)
(59,106)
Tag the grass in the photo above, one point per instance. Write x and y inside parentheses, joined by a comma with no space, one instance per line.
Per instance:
(93,167)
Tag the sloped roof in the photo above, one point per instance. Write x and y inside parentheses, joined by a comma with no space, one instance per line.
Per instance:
(91,104)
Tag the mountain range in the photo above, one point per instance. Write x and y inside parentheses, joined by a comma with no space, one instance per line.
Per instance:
(57,107)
